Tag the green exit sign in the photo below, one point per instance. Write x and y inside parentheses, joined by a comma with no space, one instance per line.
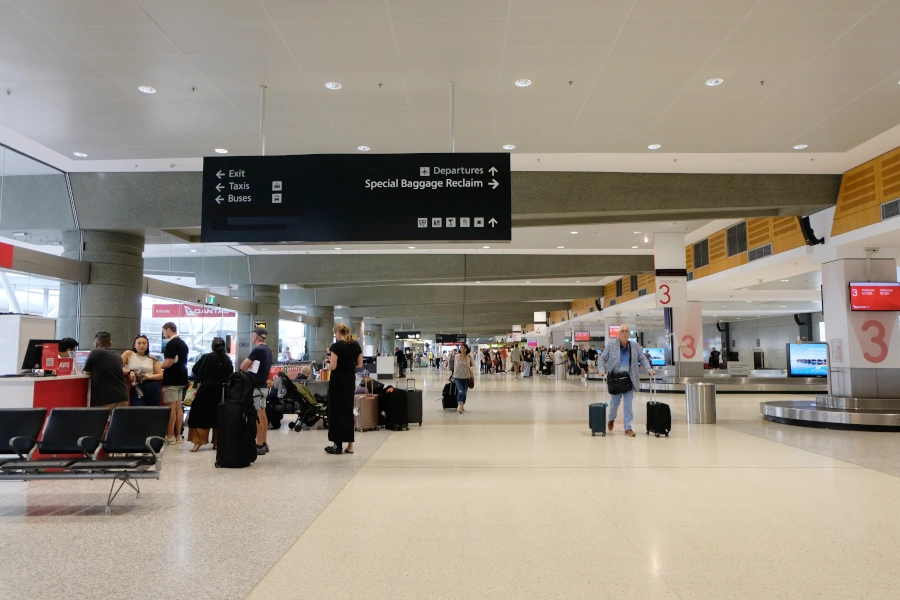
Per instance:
(210,299)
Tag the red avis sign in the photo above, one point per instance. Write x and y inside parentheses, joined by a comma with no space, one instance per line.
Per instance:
(875,296)
(168,311)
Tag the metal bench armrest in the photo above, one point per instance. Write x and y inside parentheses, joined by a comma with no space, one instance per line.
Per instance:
(87,454)
(17,439)
(157,457)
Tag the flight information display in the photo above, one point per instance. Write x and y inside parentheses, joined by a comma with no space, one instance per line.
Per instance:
(878,296)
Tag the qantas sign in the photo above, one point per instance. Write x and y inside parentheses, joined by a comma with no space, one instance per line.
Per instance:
(162,311)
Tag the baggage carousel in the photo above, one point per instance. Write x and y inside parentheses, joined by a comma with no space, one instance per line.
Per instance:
(831,412)
(761,381)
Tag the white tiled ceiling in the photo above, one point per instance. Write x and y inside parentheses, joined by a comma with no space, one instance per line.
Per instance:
(608,76)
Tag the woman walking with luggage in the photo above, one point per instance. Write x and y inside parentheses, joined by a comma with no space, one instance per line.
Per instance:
(463,369)
(211,373)
(346,357)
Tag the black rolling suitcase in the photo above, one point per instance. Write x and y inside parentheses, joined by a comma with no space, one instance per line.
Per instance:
(414,413)
(236,436)
(396,408)
(659,416)
(597,418)
(448,396)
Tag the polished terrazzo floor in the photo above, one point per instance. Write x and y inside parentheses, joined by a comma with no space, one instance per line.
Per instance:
(514,499)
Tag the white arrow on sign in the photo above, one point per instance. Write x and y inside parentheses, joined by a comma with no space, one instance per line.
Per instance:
(493,222)
(219,187)
(220,174)
(219,199)
(493,183)
(492,170)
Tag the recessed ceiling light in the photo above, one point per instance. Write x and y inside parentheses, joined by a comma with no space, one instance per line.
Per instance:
(80,154)
(800,146)
(19,234)
(785,280)
(477,282)
(578,282)
(147,89)
(221,151)
(637,233)
(646,239)
(337,248)
(264,249)
(633,247)
(485,247)
(192,250)
(412,247)
(715,81)
(523,82)
(509,147)
(560,247)
(363,148)
(748,301)
(527,282)
(333,85)
(654,146)
(784,307)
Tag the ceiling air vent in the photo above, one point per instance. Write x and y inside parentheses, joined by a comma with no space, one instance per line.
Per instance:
(642,292)
(761,252)
(690,276)
(891,209)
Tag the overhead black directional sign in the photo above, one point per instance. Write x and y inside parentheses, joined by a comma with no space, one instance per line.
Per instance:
(407,335)
(357,198)
(450,338)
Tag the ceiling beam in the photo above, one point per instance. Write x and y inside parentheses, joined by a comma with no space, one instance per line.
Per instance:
(359,297)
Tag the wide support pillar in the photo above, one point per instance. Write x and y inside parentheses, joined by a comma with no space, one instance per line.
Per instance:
(388,344)
(111,300)
(682,320)
(373,340)
(322,335)
(356,329)
(268,307)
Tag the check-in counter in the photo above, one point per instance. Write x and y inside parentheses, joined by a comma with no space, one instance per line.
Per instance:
(386,368)
(44,392)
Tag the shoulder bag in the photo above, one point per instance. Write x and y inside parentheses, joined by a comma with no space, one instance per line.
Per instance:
(619,382)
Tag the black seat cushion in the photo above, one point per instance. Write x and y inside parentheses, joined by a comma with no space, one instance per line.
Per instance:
(130,426)
(37,465)
(130,462)
(20,422)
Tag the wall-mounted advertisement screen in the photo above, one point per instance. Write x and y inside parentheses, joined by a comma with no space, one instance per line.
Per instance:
(882,296)
(657,356)
(613,331)
(532,343)
(582,336)
(807,360)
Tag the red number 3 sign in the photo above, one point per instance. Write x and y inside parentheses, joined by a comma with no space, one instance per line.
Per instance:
(665,291)
(689,346)
(877,339)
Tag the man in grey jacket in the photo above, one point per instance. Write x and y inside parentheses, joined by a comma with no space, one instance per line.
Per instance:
(622,355)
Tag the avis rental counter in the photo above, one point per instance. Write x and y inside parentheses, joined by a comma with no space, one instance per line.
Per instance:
(44,392)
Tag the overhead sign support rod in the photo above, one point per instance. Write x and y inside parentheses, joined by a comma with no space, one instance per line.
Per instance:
(452,115)
(262,119)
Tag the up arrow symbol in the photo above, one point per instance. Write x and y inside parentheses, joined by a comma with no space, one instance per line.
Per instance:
(219,199)
(492,170)
(493,222)
(219,187)
(493,183)
(220,174)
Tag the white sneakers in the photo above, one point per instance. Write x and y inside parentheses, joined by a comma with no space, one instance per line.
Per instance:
(175,440)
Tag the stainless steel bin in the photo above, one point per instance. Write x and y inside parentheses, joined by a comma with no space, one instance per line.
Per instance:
(560,371)
(700,400)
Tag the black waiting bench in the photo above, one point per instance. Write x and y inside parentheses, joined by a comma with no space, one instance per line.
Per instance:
(133,443)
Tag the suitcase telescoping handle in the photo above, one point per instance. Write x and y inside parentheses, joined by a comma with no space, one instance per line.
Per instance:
(408,388)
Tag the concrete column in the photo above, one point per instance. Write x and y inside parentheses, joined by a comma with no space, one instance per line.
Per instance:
(668,255)
(111,301)
(356,328)
(373,340)
(268,307)
(865,345)
(322,336)
(389,343)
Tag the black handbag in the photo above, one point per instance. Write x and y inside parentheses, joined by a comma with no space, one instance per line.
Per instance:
(618,382)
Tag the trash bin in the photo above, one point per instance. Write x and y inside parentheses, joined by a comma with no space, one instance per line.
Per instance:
(560,371)
(700,399)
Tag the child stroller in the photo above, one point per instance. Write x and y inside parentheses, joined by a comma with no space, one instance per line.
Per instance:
(547,369)
(298,400)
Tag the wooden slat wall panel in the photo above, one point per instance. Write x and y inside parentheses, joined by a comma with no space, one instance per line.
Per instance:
(609,293)
(889,169)
(557,316)
(582,306)
(759,232)
(689,257)
(722,265)
(859,199)
(718,249)
(647,282)
(786,234)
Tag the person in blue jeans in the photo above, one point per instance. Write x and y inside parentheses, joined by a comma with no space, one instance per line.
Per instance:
(622,355)
(463,369)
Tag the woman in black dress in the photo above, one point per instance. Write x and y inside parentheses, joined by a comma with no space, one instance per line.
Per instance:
(211,372)
(346,357)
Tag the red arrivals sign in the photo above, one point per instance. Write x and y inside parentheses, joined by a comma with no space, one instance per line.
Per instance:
(167,311)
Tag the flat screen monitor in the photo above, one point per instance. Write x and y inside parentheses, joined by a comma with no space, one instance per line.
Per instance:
(613,331)
(34,351)
(532,343)
(876,296)
(582,336)
(807,360)
(657,356)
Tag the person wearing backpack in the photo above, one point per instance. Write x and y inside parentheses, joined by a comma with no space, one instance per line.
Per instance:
(257,365)
(622,357)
